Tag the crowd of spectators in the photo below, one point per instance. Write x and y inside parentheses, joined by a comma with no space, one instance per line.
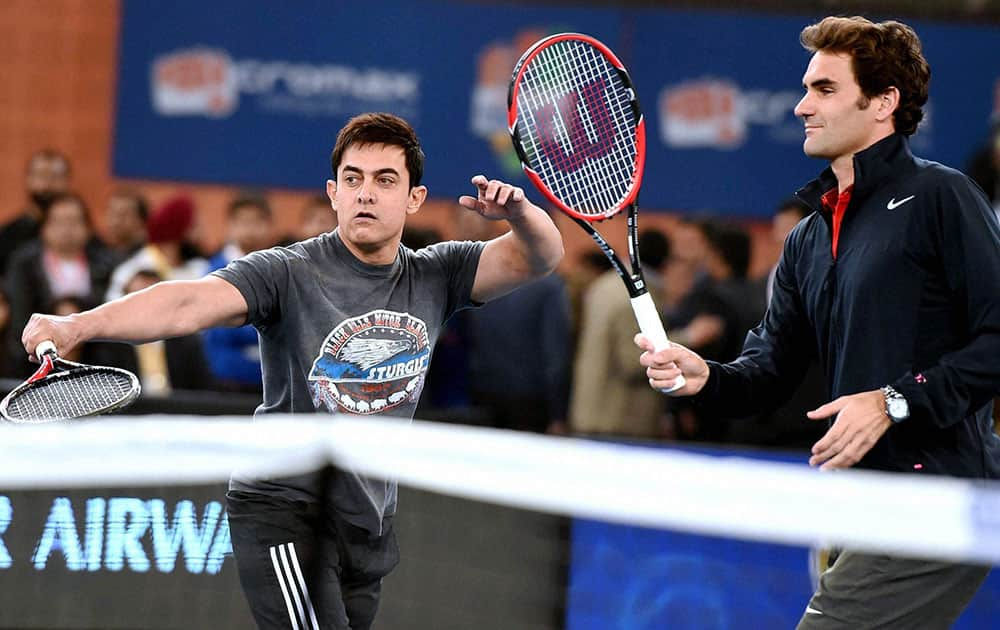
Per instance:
(52,260)
(555,356)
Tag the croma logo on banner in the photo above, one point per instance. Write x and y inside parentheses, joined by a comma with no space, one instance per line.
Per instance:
(208,82)
(717,114)
(191,82)
(126,533)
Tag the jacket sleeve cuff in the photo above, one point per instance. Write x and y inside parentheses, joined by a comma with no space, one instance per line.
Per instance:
(914,391)
(708,393)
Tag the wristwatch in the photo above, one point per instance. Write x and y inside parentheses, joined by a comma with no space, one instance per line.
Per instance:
(896,406)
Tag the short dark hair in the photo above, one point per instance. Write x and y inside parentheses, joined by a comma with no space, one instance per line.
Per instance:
(731,242)
(654,248)
(883,55)
(248,199)
(381,128)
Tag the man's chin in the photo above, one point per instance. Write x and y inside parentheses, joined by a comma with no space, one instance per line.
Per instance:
(813,151)
(364,238)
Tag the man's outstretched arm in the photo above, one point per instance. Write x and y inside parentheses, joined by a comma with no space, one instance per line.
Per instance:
(166,309)
(530,250)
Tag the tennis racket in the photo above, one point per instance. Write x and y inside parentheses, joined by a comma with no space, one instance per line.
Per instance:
(576,125)
(61,390)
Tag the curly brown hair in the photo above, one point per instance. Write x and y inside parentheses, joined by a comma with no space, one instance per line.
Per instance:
(883,55)
(381,128)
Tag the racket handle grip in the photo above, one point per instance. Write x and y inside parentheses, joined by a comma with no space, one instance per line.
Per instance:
(44,348)
(651,326)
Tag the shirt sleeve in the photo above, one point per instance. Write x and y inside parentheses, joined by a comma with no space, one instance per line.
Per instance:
(458,261)
(259,277)
(962,381)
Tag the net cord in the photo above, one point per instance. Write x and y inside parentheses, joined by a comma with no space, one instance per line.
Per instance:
(934,517)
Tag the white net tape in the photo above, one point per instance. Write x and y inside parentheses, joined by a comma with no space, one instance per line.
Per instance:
(728,496)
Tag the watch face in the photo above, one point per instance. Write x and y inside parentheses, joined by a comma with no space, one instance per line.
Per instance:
(898,409)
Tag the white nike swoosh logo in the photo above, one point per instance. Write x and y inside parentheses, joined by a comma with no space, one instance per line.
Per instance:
(812,611)
(893,204)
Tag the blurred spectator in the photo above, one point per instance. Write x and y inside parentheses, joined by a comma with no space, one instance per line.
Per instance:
(723,303)
(742,298)
(519,348)
(168,250)
(162,366)
(689,286)
(60,263)
(125,222)
(47,175)
(984,167)
(610,392)
(251,228)
(786,217)
(7,369)
(234,353)
(715,316)
(317,217)
(578,277)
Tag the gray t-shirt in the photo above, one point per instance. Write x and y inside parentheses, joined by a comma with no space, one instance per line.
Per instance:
(341,336)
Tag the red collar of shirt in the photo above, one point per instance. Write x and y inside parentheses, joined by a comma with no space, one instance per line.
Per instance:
(837,204)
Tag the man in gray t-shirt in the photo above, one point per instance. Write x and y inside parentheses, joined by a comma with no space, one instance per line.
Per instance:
(339,335)
(347,321)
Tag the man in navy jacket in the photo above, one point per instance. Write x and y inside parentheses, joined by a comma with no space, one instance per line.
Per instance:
(893,283)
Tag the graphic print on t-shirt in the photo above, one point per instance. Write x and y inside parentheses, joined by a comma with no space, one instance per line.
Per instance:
(371,363)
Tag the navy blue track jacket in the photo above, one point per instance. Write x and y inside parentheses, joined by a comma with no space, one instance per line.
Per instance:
(911,300)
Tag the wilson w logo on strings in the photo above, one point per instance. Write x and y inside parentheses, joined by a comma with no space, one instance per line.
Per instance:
(589,127)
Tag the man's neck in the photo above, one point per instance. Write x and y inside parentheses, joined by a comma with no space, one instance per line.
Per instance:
(384,254)
(843,166)
(843,170)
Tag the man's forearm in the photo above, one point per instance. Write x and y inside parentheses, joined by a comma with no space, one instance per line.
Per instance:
(167,309)
(537,241)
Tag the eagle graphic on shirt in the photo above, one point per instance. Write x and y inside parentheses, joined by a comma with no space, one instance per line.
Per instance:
(371,363)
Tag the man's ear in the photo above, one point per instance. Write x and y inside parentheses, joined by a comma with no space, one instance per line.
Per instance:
(888,102)
(331,192)
(418,194)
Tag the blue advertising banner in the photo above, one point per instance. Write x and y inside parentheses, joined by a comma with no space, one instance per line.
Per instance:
(254,92)
(633,578)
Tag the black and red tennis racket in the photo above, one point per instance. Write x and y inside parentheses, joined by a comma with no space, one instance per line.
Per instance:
(575,121)
(62,390)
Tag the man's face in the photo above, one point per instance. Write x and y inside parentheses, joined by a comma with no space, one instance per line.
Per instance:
(123,223)
(372,197)
(839,120)
(47,177)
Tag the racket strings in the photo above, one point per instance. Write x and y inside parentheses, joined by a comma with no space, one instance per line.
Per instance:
(578,116)
(77,394)
(586,130)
